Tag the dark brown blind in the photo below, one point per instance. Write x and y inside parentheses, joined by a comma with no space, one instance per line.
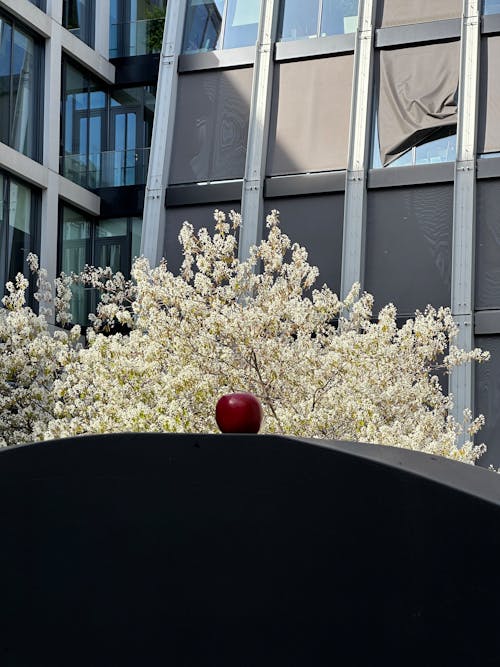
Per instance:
(310,116)
(489,108)
(403,12)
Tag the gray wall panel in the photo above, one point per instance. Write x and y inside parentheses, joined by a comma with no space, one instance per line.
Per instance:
(402,12)
(487,399)
(488,139)
(408,247)
(199,216)
(487,245)
(315,222)
(309,128)
(211,125)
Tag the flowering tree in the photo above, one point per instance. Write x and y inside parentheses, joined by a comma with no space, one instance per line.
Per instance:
(321,367)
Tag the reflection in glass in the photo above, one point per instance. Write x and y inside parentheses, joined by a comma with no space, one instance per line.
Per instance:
(17,227)
(78,18)
(203,25)
(438,150)
(75,253)
(299,19)
(19,89)
(5,63)
(339,17)
(242,22)
(491,7)
(136,27)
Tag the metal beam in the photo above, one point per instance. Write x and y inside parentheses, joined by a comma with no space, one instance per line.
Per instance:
(154,220)
(252,203)
(464,206)
(353,252)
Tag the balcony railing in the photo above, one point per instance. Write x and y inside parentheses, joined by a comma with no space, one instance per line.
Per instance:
(107,169)
(136,38)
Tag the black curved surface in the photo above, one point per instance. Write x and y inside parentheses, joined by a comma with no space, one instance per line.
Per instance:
(244,550)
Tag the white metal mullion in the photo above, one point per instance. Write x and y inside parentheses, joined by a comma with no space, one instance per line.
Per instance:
(464,206)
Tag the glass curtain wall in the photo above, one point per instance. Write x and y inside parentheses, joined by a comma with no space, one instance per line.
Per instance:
(84,240)
(216,24)
(106,134)
(20,89)
(317,18)
(79,18)
(136,27)
(19,223)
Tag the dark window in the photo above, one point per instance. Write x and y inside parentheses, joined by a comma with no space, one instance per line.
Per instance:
(299,19)
(20,89)
(215,24)
(136,27)
(84,240)
(79,18)
(19,226)
(106,133)
(41,4)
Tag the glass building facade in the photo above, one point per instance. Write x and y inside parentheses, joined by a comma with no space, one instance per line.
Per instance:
(20,88)
(136,27)
(19,226)
(300,20)
(88,241)
(220,24)
(106,131)
(79,19)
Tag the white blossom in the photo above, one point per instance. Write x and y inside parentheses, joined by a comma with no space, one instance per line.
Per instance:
(163,348)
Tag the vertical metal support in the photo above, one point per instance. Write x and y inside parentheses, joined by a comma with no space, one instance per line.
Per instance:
(154,220)
(353,250)
(464,206)
(252,204)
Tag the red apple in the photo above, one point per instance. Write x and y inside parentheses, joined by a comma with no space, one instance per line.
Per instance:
(240,412)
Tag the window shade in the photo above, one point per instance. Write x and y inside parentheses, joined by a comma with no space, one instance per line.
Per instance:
(403,12)
(418,96)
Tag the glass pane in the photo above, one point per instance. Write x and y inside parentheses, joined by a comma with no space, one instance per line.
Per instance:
(491,7)
(109,254)
(203,25)
(339,17)
(78,18)
(299,19)
(20,241)
(5,65)
(116,227)
(74,256)
(242,23)
(439,150)
(23,94)
(136,238)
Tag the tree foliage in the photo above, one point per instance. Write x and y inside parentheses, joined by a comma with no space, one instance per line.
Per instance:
(322,368)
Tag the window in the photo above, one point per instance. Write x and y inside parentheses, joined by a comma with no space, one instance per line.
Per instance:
(215,24)
(136,27)
(317,18)
(39,3)
(491,7)
(106,134)
(79,18)
(20,89)
(19,226)
(442,149)
(417,105)
(84,240)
